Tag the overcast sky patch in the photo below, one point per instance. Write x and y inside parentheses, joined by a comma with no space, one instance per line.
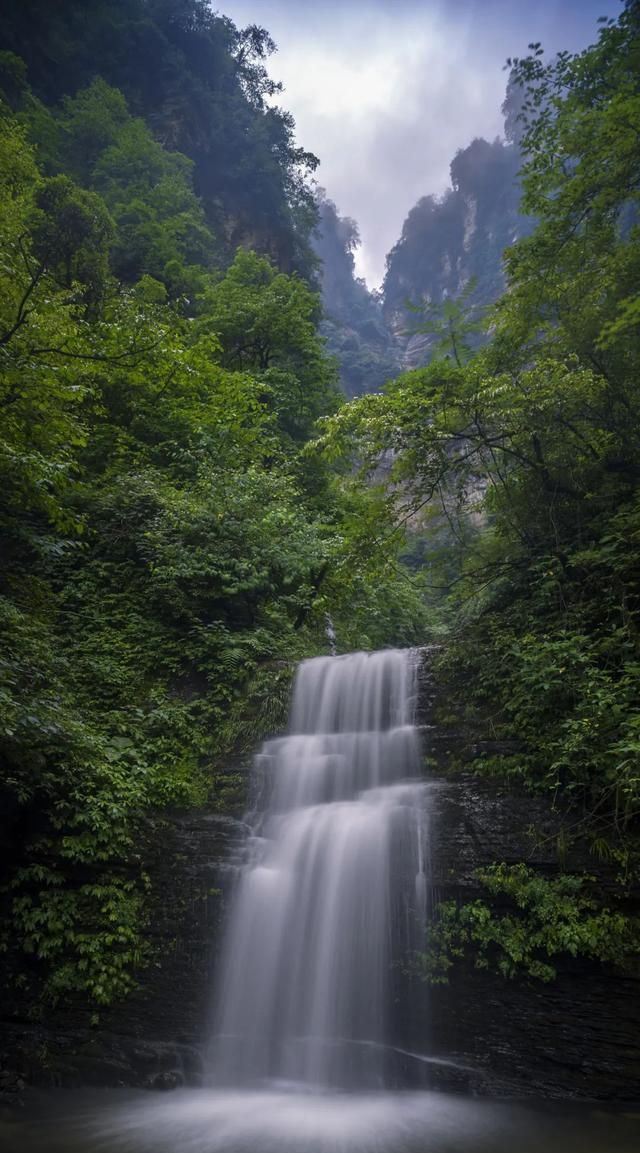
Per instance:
(386,93)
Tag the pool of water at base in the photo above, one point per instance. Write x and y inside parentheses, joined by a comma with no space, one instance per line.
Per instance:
(288,1119)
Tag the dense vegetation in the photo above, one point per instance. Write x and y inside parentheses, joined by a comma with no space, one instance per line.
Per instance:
(527,925)
(167,543)
(202,87)
(518,463)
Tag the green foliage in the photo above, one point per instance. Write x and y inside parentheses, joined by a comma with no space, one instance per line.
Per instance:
(366,589)
(40,396)
(266,323)
(170,548)
(264,709)
(71,233)
(203,89)
(89,936)
(580,176)
(160,230)
(528,923)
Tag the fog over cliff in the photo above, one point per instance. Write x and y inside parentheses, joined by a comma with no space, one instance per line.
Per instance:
(386,94)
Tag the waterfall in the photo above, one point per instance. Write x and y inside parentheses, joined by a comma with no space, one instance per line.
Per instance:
(330,898)
(334,885)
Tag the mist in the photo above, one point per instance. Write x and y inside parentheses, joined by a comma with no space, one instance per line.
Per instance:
(385,95)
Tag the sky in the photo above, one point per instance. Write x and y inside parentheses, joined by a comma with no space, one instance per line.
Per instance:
(385,93)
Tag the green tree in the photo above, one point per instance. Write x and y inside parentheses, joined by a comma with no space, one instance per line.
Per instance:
(266,322)
(202,87)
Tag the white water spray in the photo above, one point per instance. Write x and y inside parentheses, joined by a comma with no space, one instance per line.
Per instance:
(334,885)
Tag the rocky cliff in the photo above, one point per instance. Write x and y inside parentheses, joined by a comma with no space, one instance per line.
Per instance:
(452,243)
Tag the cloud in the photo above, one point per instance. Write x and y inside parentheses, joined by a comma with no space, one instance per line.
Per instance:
(385,94)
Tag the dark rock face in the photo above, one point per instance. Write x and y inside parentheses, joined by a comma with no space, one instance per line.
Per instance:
(578,1036)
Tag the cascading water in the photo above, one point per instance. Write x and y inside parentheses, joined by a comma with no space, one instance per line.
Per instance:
(334,885)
